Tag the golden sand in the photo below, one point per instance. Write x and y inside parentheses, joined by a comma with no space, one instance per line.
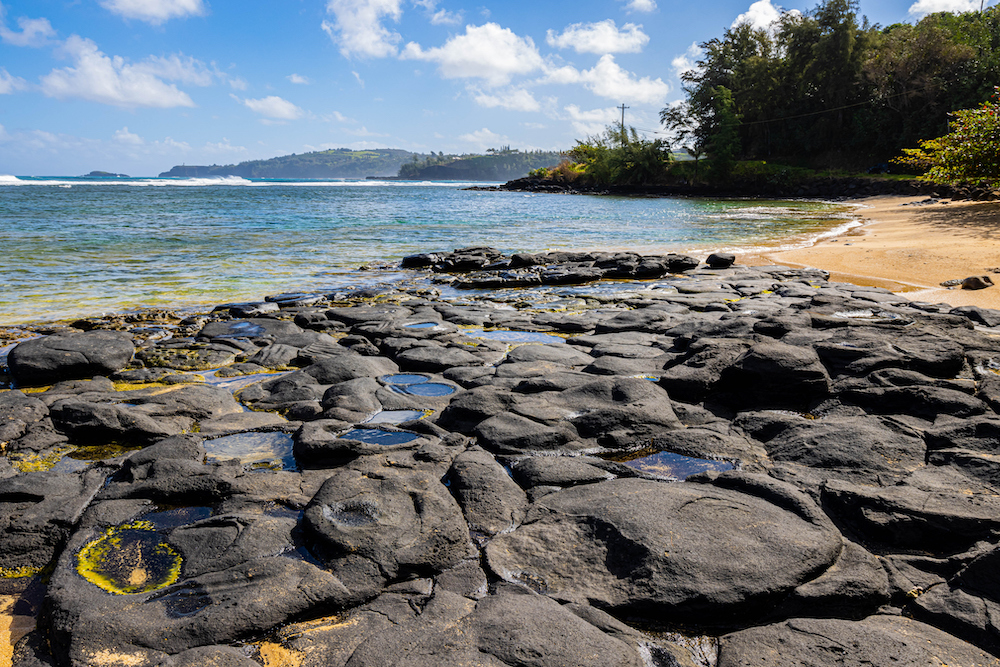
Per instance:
(909,249)
(12,628)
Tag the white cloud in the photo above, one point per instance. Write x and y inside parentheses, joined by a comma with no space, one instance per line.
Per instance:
(760,15)
(925,7)
(154,11)
(602,37)
(644,6)
(98,78)
(516,99)
(175,145)
(365,132)
(123,136)
(484,139)
(565,74)
(590,122)
(223,147)
(34,32)
(10,84)
(237,83)
(275,108)
(687,61)
(608,79)
(358,27)
(179,67)
(444,17)
(361,82)
(299,79)
(439,16)
(486,52)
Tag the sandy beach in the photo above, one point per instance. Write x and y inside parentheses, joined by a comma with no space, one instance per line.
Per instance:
(910,247)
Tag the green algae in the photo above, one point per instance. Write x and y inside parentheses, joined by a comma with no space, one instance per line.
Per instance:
(129,559)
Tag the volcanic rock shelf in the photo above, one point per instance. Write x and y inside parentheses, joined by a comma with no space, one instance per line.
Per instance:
(497,476)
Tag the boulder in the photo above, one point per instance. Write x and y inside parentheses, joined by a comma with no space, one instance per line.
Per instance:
(877,640)
(491,501)
(69,356)
(373,523)
(673,552)
(721,260)
(977,282)
(775,375)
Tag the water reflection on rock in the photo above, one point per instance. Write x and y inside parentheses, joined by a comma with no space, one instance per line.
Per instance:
(396,416)
(256,451)
(376,436)
(673,466)
(507,336)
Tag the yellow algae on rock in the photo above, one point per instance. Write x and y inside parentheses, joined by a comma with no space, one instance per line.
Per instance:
(138,386)
(19,572)
(276,655)
(129,559)
(38,462)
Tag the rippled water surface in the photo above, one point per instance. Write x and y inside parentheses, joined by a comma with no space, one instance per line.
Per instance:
(74,248)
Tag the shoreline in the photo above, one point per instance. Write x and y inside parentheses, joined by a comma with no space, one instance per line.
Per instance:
(899,243)
(909,247)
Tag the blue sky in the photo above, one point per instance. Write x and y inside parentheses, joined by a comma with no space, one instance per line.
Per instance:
(137,86)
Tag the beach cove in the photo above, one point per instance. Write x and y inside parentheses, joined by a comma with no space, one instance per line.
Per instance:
(911,245)
(656,458)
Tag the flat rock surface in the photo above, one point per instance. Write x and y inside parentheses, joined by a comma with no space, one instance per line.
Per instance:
(571,459)
(678,551)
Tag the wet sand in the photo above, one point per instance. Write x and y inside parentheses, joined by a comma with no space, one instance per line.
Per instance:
(909,249)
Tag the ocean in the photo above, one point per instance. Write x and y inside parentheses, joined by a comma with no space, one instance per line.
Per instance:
(73,247)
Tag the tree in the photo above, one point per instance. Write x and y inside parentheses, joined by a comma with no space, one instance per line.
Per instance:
(687,129)
(724,142)
(621,157)
(969,154)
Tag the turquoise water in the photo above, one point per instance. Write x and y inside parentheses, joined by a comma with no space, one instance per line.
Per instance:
(74,248)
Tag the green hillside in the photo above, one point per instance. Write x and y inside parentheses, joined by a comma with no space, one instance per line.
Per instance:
(497,165)
(335,163)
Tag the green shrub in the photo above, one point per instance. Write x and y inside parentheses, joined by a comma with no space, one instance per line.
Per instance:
(969,154)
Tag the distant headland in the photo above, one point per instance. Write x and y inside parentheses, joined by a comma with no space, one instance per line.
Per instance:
(385,163)
(104,174)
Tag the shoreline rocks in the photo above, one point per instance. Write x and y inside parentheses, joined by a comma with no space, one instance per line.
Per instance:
(829,187)
(631,460)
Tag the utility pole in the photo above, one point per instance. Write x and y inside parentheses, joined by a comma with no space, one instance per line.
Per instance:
(624,136)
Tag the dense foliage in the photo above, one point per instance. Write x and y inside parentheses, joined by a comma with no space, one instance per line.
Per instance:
(970,153)
(619,157)
(502,164)
(827,88)
(335,163)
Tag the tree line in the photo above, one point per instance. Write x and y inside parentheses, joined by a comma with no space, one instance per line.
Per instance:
(499,164)
(826,88)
